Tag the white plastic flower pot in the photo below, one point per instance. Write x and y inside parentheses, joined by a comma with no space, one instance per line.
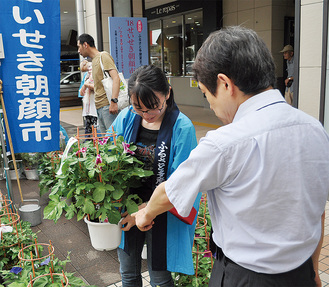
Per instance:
(13,174)
(104,236)
(31,174)
(144,252)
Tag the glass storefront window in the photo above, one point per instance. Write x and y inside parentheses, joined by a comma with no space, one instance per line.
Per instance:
(172,43)
(182,36)
(155,43)
(193,39)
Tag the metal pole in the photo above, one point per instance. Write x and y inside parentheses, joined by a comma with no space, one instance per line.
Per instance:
(9,140)
(4,155)
(80,16)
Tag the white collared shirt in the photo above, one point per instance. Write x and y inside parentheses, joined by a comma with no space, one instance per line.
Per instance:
(267,179)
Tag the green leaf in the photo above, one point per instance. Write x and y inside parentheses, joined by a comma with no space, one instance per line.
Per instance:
(80,215)
(80,186)
(99,193)
(54,209)
(129,160)
(117,204)
(117,194)
(109,187)
(70,211)
(41,282)
(15,284)
(91,173)
(131,206)
(148,173)
(114,216)
(74,281)
(88,207)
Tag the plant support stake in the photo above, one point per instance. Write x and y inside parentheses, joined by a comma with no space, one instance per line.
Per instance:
(9,140)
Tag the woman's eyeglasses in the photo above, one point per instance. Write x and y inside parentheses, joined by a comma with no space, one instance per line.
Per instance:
(152,112)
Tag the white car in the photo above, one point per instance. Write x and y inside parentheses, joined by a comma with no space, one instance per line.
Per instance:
(69,85)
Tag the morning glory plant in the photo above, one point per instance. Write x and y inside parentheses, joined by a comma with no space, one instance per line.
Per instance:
(98,175)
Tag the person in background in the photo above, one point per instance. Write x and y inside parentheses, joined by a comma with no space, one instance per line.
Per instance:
(265,171)
(89,112)
(288,54)
(106,111)
(164,137)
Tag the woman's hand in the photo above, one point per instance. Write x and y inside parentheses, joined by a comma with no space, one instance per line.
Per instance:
(128,220)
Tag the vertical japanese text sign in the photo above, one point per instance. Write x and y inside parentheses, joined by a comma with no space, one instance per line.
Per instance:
(30,72)
(128,43)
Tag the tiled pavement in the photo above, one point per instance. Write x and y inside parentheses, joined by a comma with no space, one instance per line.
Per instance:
(324,256)
(101,268)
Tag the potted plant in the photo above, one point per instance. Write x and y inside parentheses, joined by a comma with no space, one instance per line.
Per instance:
(49,164)
(11,241)
(19,166)
(30,162)
(98,173)
(20,275)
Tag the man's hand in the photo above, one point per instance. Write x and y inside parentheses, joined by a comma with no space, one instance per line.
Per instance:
(317,280)
(159,203)
(113,108)
(286,81)
(142,220)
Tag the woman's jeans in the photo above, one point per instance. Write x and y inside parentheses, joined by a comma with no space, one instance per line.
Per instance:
(130,265)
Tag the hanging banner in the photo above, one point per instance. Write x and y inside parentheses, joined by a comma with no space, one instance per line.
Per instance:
(128,43)
(30,72)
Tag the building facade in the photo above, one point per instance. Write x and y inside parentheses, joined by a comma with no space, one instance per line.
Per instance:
(178,28)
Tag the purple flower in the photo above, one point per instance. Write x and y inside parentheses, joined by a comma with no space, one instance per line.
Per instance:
(104,141)
(45,262)
(98,159)
(126,148)
(16,270)
(83,151)
(207,253)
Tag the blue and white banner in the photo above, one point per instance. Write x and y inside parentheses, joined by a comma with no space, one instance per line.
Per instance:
(128,43)
(30,72)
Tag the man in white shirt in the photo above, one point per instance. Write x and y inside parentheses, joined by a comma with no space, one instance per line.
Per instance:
(265,171)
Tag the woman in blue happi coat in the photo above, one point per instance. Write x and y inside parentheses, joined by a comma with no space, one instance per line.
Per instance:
(164,138)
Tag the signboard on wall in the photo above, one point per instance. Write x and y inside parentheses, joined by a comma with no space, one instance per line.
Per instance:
(128,43)
(172,8)
(30,72)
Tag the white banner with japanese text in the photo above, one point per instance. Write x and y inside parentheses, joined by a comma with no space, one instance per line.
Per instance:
(30,72)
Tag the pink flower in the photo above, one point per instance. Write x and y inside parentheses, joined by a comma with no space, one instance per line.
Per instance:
(83,151)
(98,159)
(207,253)
(104,141)
(126,148)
